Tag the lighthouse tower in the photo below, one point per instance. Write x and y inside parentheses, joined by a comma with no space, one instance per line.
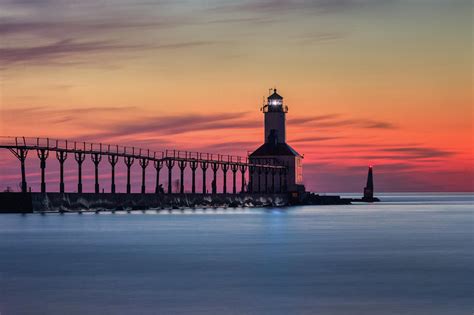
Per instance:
(275,119)
(276,150)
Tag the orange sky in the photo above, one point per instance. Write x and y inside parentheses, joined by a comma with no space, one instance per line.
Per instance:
(387,83)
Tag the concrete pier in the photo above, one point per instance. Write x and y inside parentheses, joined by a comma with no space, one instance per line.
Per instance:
(12,202)
(75,202)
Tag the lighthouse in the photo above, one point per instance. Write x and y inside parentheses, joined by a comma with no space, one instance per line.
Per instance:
(275,119)
(369,188)
(276,151)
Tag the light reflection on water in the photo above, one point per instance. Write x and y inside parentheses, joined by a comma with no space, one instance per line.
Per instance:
(405,256)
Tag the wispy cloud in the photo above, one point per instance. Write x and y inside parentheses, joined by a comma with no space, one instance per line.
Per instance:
(77,120)
(320,37)
(337,120)
(416,153)
(185,123)
(419,152)
(318,6)
(232,147)
(86,31)
(59,28)
(310,119)
(43,112)
(172,125)
(313,139)
(72,50)
(245,20)
(58,50)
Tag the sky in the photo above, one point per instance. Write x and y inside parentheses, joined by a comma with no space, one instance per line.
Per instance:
(386,83)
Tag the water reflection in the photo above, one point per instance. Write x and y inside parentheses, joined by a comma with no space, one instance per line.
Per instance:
(377,259)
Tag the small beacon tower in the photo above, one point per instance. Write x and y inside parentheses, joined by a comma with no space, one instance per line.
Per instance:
(276,149)
(369,187)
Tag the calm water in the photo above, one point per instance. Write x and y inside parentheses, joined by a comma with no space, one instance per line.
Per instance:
(412,254)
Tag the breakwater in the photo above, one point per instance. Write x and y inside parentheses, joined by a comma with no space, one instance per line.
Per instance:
(57,202)
(75,202)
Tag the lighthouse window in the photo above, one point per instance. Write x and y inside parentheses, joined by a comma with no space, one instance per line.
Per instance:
(299,171)
(275,102)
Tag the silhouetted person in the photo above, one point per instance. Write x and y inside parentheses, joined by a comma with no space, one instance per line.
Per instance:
(161,190)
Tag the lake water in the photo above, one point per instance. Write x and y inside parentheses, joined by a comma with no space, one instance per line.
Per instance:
(411,254)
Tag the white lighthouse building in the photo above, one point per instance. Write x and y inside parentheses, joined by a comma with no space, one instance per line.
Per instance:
(276,150)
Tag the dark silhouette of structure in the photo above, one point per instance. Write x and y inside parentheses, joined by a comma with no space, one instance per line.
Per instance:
(369,187)
(273,171)
(276,151)
(219,164)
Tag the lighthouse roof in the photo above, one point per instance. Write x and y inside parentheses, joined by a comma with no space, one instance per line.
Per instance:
(275,96)
(274,149)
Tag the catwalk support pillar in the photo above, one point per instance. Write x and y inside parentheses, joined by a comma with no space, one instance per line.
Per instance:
(214,167)
(225,168)
(43,155)
(96,158)
(204,166)
(193,165)
(170,164)
(251,179)
(21,155)
(182,167)
(79,157)
(144,163)
(113,159)
(234,168)
(61,156)
(128,162)
(243,169)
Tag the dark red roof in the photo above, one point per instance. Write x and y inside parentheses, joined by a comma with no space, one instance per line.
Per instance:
(270,149)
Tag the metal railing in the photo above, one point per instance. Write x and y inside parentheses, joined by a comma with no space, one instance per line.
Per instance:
(20,146)
(32,143)
(35,143)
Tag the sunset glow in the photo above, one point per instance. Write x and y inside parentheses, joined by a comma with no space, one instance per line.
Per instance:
(382,83)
